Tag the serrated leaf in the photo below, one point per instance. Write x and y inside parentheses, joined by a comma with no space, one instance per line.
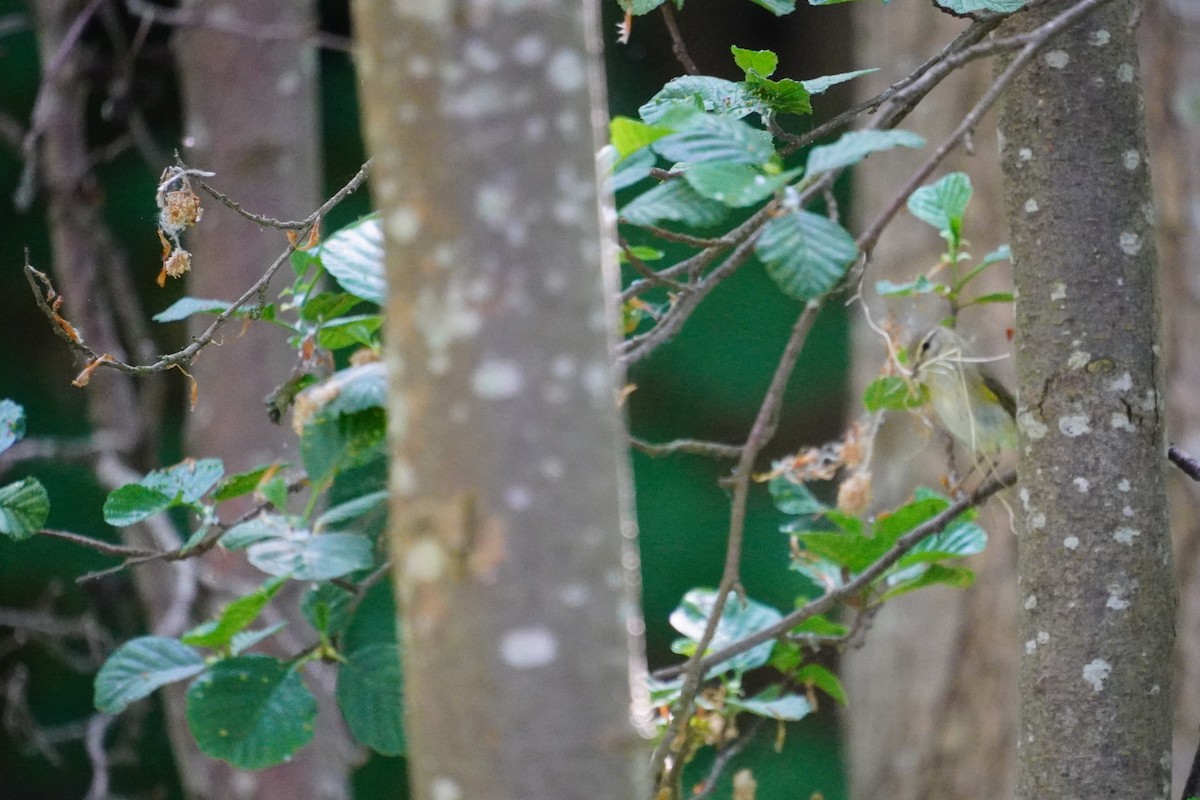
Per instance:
(234,618)
(244,640)
(359,330)
(760,62)
(24,508)
(12,424)
(351,509)
(331,444)
(714,95)
(739,619)
(794,498)
(805,254)
(825,82)
(736,185)
(133,503)
(308,557)
(328,306)
(354,257)
(853,552)
(140,666)
(243,483)
(327,607)
(185,307)
(633,169)
(893,392)
(933,575)
(251,711)
(773,704)
(891,525)
(711,137)
(188,480)
(854,146)
(784,96)
(262,528)
(674,201)
(374,621)
(959,540)
(630,135)
(370,693)
(820,677)
(942,204)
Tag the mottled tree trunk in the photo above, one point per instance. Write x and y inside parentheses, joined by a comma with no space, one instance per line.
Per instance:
(512,533)
(1097,616)
(251,116)
(933,688)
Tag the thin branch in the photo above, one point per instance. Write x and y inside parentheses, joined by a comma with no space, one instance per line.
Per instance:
(650,275)
(852,587)
(724,756)
(761,432)
(1187,464)
(678,46)
(93,741)
(100,546)
(690,446)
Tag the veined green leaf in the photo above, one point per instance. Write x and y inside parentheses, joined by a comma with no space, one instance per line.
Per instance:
(370,693)
(942,204)
(313,557)
(893,392)
(185,307)
(715,95)
(354,257)
(674,201)
(24,508)
(711,137)
(140,666)
(630,135)
(736,185)
(805,254)
(854,146)
(234,618)
(739,619)
(12,424)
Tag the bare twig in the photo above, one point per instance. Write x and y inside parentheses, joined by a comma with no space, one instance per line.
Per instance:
(690,446)
(1186,463)
(93,742)
(724,756)
(678,46)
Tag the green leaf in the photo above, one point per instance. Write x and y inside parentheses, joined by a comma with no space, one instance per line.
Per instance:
(777,7)
(633,169)
(819,625)
(276,493)
(370,693)
(854,146)
(736,185)
(921,285)
(805,254)
(714,95)
(642,252)
(308,557)
(820,677)
(794,498)
(244,640)
(327,306)
(853,552)
(739,619)
(630,135)
(711,137)
(24,507)
(189,480)
(185,307)
(890,526)
(133,503)
(759,62)
(262,528)
(820,85)
(330,445)
(893,392)
(943,204)
(966,7)
(244,483)
(674,201)
(350,331)
(354,257)
(639,7)
(994,297)
(345,392)
(351,509)
(251,711)
(140,666)
(933,575)
(1001,253)
(12,424)
(327,607)
(374,621)
(234,618)
(773,704)
(960,539)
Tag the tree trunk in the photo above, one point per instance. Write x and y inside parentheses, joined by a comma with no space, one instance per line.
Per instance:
(250,116)
(1094,555)
(511,525)
(950,733)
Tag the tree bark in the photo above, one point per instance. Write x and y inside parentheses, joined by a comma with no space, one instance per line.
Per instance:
(1094,555)
(512,533)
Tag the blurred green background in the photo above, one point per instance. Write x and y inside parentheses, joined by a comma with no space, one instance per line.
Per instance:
(706,384)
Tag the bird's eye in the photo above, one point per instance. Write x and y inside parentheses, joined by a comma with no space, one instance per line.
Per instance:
(925,345)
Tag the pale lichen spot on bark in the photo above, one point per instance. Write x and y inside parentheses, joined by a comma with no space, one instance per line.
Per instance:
(1056,59)
(1125,73)
(1025,154)
(1096,672)
(1122,384)
(1131,243)
(498,379)
(1127,511)
(553,468)
(403,224)
(1023,494)
(443,318)
(518,497)
(1123,485)
(288,83)
(563,366)
(1120,422)
(1117,601)
(1036,521)
(425,560)
(528,648)
(529,49)
(567,71)
(1148,402)
(1126,535)
(420,67)
(479,56)
(1031,206)
(402,478)
(1131,159)
(1071,542)
(1031,602)
(568,124)
(1030,647)
(535,129)
(1043,637)
(1099,38)
(1031,426)
(574,595)
(388,189)
(1078,359)
(494,205)
(443,788)
(556,394)
(597,380)
(1059,292)
(1082,484)
(1074,425)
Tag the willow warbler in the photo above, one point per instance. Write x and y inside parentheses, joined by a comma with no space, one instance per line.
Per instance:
(968,399)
